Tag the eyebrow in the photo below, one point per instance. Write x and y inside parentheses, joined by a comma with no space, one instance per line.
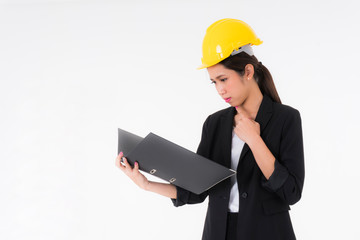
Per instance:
(218,76)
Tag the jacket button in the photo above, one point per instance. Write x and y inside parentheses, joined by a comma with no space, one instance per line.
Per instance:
(244,195)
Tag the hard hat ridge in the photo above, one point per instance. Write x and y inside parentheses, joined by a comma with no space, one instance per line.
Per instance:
(246,48)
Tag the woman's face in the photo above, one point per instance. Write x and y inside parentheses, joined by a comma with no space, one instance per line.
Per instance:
(229,84)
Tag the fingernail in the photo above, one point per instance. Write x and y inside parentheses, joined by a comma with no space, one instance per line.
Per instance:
(136,163)
(120,153)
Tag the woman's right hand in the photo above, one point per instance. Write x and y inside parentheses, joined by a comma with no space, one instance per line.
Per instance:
(133,173)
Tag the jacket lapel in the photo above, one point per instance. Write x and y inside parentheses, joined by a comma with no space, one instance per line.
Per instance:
(227,121)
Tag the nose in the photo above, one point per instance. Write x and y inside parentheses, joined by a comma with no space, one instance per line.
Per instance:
(221,89)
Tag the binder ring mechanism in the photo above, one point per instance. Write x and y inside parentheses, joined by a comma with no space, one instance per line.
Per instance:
(122,161)
(152,171)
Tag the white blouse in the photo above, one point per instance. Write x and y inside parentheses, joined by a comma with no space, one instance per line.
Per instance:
(236,147)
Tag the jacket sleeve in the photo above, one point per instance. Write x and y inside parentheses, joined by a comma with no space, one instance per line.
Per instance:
(184,196)
(288,177)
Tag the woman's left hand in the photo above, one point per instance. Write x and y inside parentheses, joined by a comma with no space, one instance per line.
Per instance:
(246,128)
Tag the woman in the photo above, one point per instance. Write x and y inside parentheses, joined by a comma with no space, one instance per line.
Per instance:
(256,135)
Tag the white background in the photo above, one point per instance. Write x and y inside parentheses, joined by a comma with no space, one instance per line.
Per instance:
(72,72)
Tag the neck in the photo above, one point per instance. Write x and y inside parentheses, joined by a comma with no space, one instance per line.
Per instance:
(252,103)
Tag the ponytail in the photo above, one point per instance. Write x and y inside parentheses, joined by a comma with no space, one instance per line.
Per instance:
(261,74)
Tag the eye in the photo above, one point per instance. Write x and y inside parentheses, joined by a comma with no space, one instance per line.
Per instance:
(223,79)
(213,82)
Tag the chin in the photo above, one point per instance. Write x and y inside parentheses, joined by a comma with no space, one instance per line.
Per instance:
(235,104)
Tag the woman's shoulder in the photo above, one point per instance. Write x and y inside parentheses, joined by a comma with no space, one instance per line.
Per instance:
(285,113)
(284,109)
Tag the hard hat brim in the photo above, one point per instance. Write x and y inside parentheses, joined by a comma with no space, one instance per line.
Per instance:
(202,66)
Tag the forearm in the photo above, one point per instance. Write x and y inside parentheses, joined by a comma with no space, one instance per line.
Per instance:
(263,157)
(164,189)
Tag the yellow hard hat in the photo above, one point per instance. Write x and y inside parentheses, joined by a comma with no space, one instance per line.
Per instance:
(223,37)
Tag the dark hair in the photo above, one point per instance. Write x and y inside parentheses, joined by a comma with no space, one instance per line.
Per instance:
(261,74)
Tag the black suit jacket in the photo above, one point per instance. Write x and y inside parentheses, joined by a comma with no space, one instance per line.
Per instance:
(264,204)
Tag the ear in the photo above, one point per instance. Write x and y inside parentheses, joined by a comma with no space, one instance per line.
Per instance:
(249,72)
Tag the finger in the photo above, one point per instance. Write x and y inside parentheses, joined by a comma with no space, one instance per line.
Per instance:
(136,166)
(117,162)
(242,113)
(237,117)
(240,110)
(254,122)
(118,159)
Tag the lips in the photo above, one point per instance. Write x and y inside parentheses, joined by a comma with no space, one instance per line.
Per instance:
(227,99)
